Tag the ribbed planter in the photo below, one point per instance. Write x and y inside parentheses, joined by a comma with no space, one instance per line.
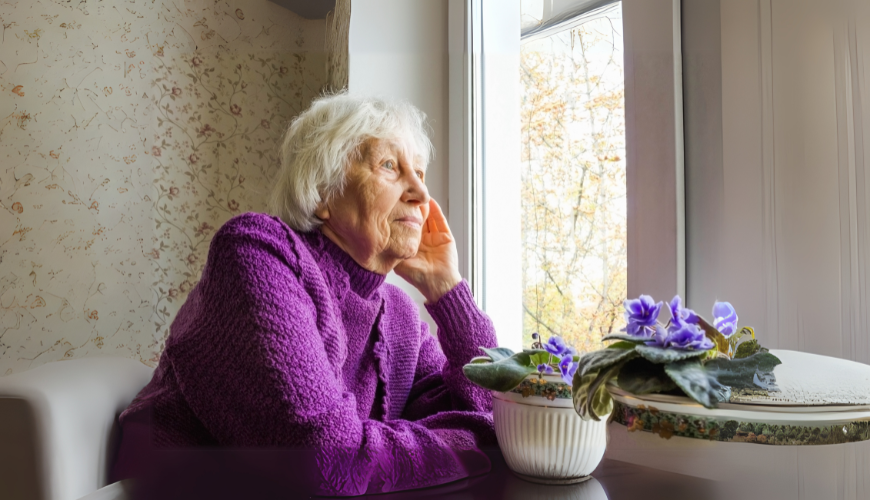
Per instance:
(542,438)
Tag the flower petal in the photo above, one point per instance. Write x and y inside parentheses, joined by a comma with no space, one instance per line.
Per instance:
(674,306)
(567,367)
(723,314)
(555,345)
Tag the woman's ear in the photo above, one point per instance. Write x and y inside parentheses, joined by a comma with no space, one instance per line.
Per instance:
(322,210)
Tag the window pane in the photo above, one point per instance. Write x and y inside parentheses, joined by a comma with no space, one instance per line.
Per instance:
(573,182)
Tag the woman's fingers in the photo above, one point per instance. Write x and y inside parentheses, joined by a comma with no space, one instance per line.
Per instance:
(430,224)
(437,217)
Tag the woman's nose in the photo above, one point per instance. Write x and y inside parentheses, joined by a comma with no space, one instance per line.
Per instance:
(416,191)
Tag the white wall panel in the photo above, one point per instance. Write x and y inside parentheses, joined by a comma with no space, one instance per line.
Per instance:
(654,148)
(794,246)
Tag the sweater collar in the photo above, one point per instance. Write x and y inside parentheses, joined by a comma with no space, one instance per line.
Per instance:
(362,281)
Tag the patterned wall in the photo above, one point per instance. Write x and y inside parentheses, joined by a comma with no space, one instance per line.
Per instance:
(129,132)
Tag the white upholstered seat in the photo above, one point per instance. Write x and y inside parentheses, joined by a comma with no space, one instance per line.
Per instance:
(58,425)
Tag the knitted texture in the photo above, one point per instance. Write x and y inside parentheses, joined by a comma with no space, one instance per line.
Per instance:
(288,342)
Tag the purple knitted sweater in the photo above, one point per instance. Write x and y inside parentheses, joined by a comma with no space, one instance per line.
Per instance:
(286,341)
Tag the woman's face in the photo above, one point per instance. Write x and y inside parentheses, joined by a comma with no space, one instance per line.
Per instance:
(378,218)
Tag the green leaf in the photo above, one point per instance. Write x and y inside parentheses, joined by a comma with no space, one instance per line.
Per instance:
(664,356)
(698,383)
(619,345)
(480,359)
(601,404)
(590,395)
(535,351)
(713,334)
(542,357)
(625,338)
(741,372)
(602,359)
(497,353)
(640,376)
(580,392)
(748,348)
(734,339)
(539,356)
(502,375)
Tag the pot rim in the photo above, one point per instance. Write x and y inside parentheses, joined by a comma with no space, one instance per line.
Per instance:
(549,378)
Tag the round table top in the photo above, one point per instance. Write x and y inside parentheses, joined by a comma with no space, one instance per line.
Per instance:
(806,379)
(821,400)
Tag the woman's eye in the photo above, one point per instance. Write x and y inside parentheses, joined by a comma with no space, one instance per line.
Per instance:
(420,174)
(388,165)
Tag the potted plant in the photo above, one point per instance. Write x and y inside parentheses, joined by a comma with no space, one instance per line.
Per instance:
(550,405)
(541,436)
(688,356)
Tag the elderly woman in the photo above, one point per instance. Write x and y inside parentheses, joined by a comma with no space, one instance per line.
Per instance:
(292,339)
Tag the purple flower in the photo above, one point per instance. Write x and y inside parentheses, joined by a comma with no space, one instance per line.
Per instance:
(641,315)
(681,335)
(567,367)
(545,369)
(680,314)
(556,346)
(660,336)
(687,337)
(724,318)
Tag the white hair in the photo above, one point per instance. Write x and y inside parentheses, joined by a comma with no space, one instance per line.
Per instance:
(323,140)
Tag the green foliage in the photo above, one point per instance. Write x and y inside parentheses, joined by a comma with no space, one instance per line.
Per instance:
(502,375)
(497,353)
(580,392)
(748,348)
(594,370)
(480,359)
(741,373)
(503,370)
(600,404)
(636,368)
(698,383)
(713,334)
(640,376)
(661,355)
(602,359)
(622,345)
(591,399)
(735,339)
(625,338)
(540,357)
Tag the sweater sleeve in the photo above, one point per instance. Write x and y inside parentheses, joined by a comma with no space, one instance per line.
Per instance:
(254,366)
(439,383)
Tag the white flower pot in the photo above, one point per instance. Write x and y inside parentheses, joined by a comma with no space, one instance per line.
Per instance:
(544,440)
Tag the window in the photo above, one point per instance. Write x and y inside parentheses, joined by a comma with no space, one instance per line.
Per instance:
(566,160)
(573,179)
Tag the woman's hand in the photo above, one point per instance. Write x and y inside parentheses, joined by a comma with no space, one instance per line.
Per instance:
(435,269)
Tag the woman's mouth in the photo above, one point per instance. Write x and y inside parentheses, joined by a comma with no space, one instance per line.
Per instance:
(411,221)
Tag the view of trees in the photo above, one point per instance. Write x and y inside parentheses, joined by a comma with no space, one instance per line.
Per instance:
(573,183)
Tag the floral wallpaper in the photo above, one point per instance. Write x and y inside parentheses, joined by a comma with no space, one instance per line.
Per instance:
(129,132)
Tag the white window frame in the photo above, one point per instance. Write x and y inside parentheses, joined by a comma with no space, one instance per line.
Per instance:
(484,153)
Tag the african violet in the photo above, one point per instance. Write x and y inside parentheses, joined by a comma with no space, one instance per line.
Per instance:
(502,370)
(687,356)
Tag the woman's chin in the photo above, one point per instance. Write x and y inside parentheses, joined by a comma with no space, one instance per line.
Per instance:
(406,249)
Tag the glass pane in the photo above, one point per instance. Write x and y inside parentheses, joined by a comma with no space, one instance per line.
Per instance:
(573,183)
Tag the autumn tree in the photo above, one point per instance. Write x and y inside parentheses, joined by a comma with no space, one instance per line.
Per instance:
(573,183)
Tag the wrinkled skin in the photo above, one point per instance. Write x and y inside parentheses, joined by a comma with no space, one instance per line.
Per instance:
(386,220)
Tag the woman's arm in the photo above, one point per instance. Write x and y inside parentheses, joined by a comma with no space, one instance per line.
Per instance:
(439,383)
(256,367)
